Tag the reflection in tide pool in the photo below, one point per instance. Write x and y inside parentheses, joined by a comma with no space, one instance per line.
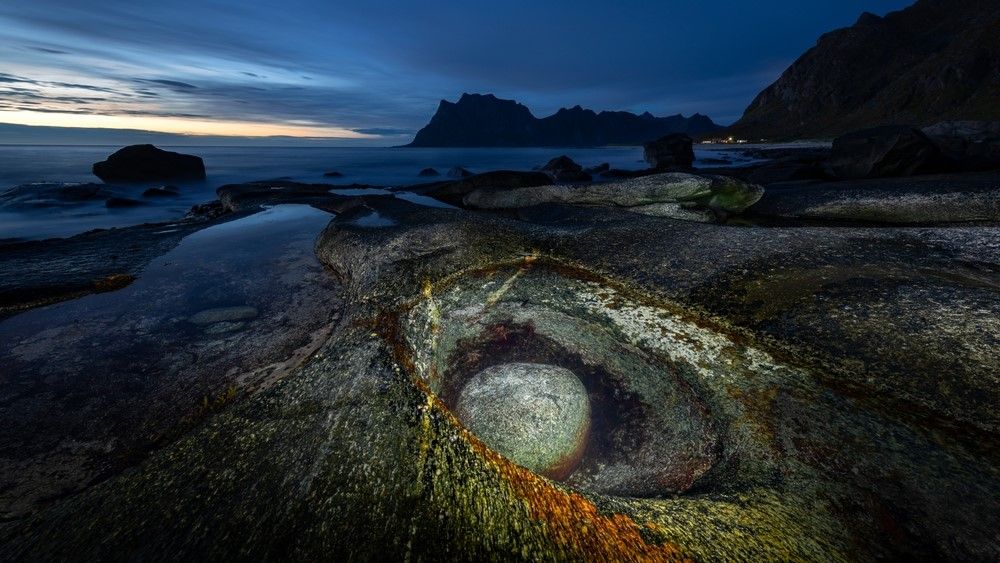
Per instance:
(90,382)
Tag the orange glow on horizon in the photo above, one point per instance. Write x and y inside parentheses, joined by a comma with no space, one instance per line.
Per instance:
(176,125)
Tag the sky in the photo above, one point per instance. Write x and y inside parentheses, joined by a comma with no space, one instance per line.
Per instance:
(373,72)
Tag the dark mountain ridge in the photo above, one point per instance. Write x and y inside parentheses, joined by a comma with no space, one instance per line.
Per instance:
(937,60)
(478,120)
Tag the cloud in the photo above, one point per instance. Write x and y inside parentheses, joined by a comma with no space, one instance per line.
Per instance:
(384,131)
(49,51)
(170,83)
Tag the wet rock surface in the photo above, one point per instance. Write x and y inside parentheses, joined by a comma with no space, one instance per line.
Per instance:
(44,195)
(821,392)
(34,273)
(91,386)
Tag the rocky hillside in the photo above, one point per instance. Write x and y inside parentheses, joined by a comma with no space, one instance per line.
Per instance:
(936,60)
(478,120)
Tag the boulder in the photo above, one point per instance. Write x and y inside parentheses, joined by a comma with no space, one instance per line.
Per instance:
(599,169)
(52,195)
(429,172)
(646,195)
(563,169)
(122,202)
(453,192)
(536,415)
(968,145)
(673,151)
(165,191)
(884,152)
(140,163)
(333,174)
(458,172)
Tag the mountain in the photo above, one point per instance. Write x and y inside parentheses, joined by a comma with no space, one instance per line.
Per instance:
(936,60)
(478,120)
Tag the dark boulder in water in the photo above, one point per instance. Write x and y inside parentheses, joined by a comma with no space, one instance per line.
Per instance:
(458,172)
(427,172)
(29,196)
(599,169)
(674,151)
(563,169)
(139,163)
(122,203)
(165,191)
(885,152)
(333,174)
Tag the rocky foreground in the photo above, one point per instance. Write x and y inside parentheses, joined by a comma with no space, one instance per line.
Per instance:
(773,379)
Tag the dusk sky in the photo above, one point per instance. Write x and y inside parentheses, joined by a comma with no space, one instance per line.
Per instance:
(373,71)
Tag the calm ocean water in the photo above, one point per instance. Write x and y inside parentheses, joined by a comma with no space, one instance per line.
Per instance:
(378,166)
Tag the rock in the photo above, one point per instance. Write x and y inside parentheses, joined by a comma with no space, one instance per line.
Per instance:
(969,145)
(42,195)
(224,327)
(140,163)
(333,174)
(453,192)
(122,202)
(719,161)
(458,172)
(948,198)
(884,152)
(785,379)
(429,172)
(673,151)
(563,169)
(538,416)
(239,197)
(717,193)
(224,315)
(619,173)
(165,191)
(599,169)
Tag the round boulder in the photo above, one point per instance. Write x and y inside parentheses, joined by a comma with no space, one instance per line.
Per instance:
(563,169)
(884,152)
(671,152)
(536,415)
(140,163)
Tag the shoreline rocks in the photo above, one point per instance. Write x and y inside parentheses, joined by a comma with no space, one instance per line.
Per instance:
(666,194)
(674,151)
(563,169)
(884,152)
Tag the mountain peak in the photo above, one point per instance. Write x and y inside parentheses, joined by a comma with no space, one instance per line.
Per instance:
(483,120)
(937,60)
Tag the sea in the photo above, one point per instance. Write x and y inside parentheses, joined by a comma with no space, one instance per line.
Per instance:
(40,165)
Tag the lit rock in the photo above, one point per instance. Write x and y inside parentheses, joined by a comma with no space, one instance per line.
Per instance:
(536,415)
